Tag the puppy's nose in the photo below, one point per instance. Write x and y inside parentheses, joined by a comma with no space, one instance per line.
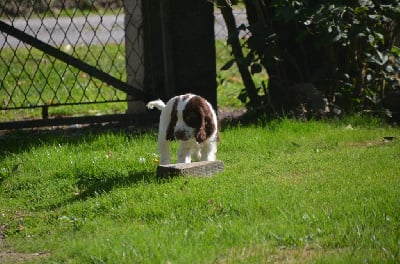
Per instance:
(180,134)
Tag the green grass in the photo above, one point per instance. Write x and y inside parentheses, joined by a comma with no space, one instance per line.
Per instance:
(291,191)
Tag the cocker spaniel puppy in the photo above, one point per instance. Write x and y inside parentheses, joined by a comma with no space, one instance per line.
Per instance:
(192,121)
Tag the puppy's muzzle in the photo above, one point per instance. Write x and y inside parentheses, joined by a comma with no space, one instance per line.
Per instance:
(181,135)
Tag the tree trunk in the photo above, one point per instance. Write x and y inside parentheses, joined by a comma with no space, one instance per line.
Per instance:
(233,40)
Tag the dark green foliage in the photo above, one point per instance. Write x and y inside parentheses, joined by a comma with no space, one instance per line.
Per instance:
(345,49)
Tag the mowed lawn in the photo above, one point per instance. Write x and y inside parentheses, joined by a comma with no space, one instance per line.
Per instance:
(299,192)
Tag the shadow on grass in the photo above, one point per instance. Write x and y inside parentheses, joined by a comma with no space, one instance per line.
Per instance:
(102,183)
(87,185)
(245,118)
(18,141)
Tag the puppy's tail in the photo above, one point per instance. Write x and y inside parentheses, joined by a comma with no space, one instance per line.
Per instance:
(157,104)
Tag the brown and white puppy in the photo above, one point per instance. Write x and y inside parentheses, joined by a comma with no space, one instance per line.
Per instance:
(192,121)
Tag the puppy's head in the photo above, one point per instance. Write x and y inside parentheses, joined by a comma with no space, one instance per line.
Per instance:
(191,117)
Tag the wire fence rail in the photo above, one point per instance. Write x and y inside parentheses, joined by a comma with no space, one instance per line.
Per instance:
(67,55)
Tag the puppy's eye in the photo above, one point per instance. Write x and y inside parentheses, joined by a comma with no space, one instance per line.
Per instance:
(192,119)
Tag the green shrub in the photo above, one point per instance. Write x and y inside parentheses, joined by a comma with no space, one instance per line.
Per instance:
(345,49)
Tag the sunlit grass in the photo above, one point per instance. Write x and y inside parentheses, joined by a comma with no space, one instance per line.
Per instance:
(291,191)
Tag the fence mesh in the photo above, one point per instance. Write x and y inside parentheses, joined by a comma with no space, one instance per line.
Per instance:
(89,30)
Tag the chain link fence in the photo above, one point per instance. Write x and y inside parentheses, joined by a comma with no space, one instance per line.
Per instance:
(91,32)
(88,32)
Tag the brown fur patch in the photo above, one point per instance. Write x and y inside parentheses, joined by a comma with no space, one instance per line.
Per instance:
(171,126)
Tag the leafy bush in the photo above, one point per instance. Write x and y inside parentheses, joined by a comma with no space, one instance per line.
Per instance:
(346,50)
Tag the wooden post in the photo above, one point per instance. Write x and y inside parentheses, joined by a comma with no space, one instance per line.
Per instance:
(193,48)
(169,76)
(170,47)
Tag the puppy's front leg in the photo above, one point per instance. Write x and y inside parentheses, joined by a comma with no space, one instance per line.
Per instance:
(185,151)
(209,151)
(163,150)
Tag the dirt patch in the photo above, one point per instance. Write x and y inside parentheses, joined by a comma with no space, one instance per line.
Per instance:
(302,255)
(14,257)
(8,255)
(278,255)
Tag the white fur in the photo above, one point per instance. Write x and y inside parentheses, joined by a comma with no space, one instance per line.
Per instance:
(157,104)
(188,148)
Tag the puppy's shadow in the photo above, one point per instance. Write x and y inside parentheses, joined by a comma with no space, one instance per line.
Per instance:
(93,185)
(88,185)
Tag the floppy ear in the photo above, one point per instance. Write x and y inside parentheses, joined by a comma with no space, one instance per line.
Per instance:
(207,126)
(201,134)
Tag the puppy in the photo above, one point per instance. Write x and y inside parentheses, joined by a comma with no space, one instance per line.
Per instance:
(192,121)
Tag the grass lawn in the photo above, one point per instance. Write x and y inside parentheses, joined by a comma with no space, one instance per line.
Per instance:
(291,192)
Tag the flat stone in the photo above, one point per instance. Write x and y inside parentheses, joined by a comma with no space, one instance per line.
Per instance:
(195,169)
